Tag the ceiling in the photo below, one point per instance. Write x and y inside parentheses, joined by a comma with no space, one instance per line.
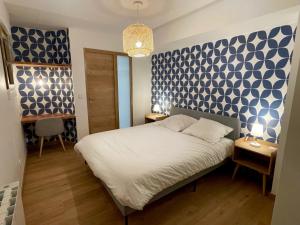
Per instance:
(113,15)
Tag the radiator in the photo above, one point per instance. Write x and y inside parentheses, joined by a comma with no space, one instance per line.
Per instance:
(8,202)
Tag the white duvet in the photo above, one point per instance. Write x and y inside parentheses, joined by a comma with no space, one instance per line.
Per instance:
(137,163)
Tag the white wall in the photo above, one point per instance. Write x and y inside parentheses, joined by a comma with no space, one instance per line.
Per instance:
(141,75)
(12,146)
(80,39)
(287,204)
(282,17)
(219,16)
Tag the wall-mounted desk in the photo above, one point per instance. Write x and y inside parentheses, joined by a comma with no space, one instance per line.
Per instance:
(33,119)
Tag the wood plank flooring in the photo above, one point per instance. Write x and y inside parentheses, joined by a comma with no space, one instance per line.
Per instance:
(60,190)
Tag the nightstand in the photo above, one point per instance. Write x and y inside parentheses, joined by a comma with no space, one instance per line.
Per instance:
(152,117)
(260,159)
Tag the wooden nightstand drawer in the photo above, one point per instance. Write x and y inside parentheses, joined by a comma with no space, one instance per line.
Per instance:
(152,117)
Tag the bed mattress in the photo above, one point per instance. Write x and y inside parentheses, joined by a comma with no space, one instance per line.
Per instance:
(137,163)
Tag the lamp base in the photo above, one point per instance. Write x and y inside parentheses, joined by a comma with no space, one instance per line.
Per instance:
(255,144)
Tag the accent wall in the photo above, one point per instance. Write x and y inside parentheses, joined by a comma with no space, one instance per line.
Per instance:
(245,76)
(44,90)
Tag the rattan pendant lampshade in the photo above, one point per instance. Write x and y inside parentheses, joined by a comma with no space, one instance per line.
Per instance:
(138,39)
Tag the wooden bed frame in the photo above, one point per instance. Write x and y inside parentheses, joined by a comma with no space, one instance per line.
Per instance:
(235,134)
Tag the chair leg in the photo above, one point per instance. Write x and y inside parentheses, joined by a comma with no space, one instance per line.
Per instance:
(41,146)
(61,141)
(126,220)
(235,171)
(195,186)
(264,183)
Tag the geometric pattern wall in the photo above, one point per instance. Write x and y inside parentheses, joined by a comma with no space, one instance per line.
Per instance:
(245,76)
(55,93)
(41,46)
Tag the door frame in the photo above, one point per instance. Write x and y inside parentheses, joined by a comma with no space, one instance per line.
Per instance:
(114,54)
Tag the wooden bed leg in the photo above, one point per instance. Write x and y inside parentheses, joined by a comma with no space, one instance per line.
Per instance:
(195,186)
(126,220)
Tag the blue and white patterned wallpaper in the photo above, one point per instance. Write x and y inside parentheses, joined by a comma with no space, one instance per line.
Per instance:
(53,95)
(41,46)
(44,90)
(245,76)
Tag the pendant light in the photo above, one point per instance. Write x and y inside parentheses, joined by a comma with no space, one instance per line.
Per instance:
(138,38)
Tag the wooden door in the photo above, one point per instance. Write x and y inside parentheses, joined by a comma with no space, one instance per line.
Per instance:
(100,70)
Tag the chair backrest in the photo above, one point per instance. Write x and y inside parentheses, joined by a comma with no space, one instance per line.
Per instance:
(49,127)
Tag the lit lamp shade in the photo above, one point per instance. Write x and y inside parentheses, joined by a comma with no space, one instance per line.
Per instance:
(138,40)
(156,108)
(257,130)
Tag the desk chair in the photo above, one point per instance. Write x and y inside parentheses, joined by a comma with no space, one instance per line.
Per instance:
(47,128)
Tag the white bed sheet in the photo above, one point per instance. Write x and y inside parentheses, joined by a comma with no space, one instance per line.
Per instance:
(137,163)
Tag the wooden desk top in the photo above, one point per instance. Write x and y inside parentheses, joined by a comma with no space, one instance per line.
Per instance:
(32,119)
(266,148)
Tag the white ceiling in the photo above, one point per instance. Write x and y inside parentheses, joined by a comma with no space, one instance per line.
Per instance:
(112,15)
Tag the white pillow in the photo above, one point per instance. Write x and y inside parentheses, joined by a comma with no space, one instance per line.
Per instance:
(178,122)
(208,130)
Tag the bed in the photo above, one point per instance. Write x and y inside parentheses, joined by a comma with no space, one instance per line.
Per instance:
(141,164)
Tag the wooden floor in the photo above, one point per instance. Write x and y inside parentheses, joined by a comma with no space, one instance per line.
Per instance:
(60,190)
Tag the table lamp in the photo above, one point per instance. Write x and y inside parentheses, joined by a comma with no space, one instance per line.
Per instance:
(256,131)
(156,108)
